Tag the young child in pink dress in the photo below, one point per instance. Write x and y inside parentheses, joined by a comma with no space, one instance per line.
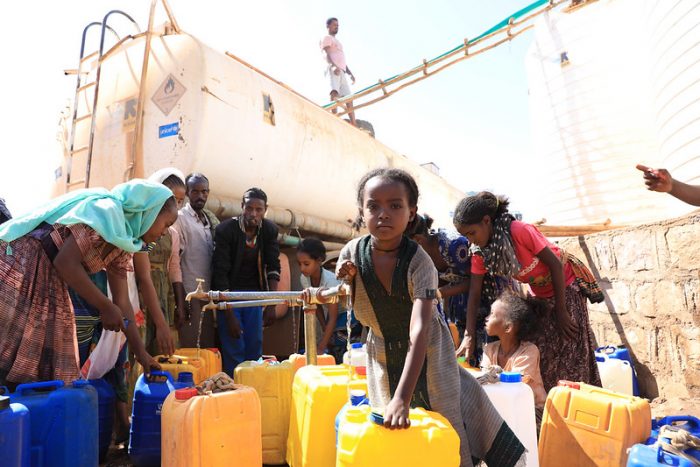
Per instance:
(513,320)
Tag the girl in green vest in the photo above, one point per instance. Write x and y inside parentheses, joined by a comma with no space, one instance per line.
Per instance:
(411,360)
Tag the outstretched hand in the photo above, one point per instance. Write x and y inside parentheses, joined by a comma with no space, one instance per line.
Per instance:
(111,317)
(165,340)
(466,348)
(148,362)
(656,179)
(313,295)
(347,270)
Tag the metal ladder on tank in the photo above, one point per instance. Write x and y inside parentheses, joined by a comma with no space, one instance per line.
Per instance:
(82,87)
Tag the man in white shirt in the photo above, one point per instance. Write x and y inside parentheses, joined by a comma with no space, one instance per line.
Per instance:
(337,66)
(196,227)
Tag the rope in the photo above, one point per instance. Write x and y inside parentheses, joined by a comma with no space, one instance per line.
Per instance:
(680,440)
(220,382)
(491,375)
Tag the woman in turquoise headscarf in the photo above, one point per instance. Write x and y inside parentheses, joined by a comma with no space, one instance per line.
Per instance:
(57,246)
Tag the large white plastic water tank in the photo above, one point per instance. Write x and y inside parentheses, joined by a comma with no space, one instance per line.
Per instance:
(204,111)
(673,30)
(627,95)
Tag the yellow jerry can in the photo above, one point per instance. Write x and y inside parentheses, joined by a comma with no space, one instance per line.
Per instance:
(318,394)
(587,426)
(363,440)
(273,383)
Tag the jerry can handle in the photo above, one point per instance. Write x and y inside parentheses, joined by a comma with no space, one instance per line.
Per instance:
(27,387)
(172,359)
(694,422)
(660,458)
(4,391)
(376,418)
(158,373)
(606,348)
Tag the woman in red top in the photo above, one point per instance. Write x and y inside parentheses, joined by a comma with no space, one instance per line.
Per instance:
(506,247)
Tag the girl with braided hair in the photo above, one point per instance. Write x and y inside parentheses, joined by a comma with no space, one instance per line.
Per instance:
(450,253)
(504,246)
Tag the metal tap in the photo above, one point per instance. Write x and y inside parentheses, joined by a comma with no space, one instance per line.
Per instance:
(198,293)
(243,299)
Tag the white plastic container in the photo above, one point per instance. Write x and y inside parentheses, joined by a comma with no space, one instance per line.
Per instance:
(515,402)
(615,374)
(357,358)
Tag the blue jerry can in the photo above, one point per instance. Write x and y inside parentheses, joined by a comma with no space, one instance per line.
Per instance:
(149,395)
(654,456)
(14,434)
(63,418)
(105,402)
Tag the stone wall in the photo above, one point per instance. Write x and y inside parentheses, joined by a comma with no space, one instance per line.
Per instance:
(651,278)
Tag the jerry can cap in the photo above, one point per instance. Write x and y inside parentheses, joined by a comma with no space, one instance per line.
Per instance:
(357,396)
(80,383)
(185,377)
(569,384)
(356,345)
(511,377)
(4,402)
(185,394)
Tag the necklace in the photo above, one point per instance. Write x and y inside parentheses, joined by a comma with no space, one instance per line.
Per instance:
(505,356)
(385,251)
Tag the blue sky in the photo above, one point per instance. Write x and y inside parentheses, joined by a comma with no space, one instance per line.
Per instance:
(471,120)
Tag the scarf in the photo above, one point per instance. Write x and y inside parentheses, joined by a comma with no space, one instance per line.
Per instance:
(160,175)
(121,216)
(499,254)
(584,278)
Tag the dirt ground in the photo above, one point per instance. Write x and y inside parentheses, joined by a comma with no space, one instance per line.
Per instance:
(661,407)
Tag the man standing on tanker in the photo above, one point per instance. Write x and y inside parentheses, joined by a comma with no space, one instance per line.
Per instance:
(337,67)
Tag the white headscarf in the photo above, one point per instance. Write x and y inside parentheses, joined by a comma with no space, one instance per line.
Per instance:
(160,175)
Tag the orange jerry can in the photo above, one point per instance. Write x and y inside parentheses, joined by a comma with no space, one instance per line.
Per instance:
(176,364)
(211,359)
(298,360)
(211,429)
(588,426)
